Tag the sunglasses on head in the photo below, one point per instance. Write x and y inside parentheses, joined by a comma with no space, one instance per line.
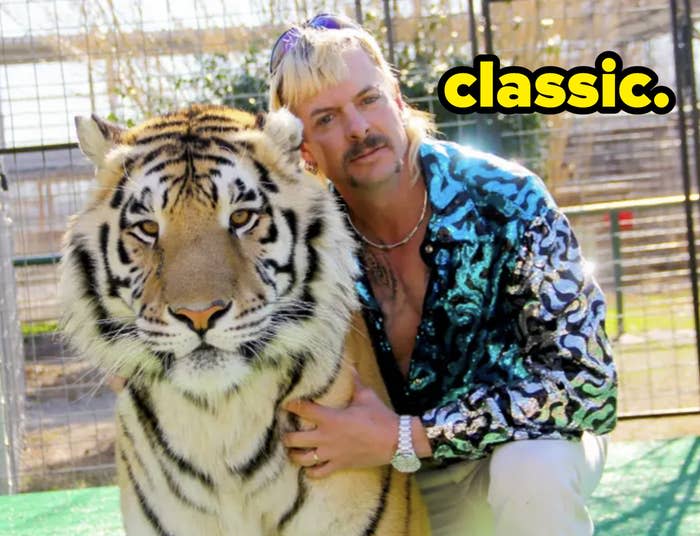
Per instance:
(289,39)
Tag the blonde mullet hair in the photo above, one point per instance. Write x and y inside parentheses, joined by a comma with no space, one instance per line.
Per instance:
(315,63)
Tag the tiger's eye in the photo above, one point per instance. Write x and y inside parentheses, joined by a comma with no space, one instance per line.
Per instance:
(149,227)
(240,217)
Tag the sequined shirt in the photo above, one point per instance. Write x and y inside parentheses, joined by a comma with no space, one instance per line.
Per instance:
(511,343)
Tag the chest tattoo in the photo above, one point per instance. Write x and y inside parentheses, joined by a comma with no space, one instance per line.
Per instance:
(380,274)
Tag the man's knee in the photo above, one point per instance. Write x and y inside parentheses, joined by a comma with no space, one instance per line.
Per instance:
(537,468)
(542,485)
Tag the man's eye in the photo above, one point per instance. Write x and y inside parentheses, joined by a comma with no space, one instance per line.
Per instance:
(370,99)
(324,120)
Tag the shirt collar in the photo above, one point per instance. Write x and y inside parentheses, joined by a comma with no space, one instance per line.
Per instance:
(450,200)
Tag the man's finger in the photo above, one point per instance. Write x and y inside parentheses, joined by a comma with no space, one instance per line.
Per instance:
(301,440)
(322,470)
(304,457)
(307,410)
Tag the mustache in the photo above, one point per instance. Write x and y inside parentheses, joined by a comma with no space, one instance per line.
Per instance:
(372,141)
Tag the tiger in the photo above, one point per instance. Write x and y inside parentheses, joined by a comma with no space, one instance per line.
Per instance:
(217,275)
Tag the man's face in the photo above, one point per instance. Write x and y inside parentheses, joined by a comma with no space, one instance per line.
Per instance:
(353,131)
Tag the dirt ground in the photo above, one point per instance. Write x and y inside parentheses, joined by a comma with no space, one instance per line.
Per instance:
(69,427)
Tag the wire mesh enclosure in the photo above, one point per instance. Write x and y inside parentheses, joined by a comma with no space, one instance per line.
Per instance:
(619,177)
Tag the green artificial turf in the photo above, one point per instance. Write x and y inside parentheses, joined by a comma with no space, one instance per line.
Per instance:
(649,488)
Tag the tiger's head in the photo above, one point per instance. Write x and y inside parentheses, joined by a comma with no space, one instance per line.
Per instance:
(205,252)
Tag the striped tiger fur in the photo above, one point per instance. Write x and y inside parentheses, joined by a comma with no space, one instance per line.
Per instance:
(217,276)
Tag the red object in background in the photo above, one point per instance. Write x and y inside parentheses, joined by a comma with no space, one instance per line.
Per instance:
(625,219)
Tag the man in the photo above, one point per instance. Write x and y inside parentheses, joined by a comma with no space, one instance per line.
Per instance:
(488,330)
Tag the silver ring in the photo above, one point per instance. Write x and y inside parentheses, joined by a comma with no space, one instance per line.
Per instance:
(316,459)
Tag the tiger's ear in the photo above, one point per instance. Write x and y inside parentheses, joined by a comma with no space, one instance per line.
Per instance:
(96,137)
(284,129)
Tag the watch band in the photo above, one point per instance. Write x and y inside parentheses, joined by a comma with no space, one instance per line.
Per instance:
(405,444)
(405,459)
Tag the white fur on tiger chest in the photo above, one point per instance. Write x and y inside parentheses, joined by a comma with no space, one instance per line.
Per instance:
(221,441)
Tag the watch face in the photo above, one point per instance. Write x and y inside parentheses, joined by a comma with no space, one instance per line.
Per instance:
(406,463)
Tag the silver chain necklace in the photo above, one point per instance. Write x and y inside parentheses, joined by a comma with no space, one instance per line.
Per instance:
(405,239)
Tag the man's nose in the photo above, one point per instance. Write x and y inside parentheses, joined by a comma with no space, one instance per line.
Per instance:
(357,126)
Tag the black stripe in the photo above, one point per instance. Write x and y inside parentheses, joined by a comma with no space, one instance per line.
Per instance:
(265,277)
(86,265)
(152,333)
(170,135)
(314,230)
(314,266)
(265,180)
(118,196)
(113,281)
(162,165)
(240,190)
(176,490)
(331,379)
(167,122)
(155,153)
(271,235)
(149,421)
(300,361)
(145,507)
(222,161)
(246,146)
(166,191)
(166,360)
(379,510)
(265,452)
(409,510)
(123,254)
(216,128)
(138,208)
(298,502)
(213,117)
(224,144)
(132,445)
(291,218)
(199,402)
(251,350)
(214,193)
(269,445)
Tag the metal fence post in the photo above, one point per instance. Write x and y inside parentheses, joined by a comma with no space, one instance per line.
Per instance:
(11,361)
(617,269)
(389,23)
(684,74)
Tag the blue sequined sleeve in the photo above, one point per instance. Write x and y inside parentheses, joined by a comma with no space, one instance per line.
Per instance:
(558,314)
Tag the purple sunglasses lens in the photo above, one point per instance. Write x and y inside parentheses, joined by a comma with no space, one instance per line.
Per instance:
(330,22)
(289,38)
(287,41)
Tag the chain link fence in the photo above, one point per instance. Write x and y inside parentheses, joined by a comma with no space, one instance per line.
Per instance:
(125,59)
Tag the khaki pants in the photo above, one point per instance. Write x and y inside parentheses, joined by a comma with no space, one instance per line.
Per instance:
(525,488)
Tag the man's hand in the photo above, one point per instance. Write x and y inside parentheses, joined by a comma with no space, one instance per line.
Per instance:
(362,435)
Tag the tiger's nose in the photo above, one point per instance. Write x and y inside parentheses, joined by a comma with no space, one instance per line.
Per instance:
(200,320)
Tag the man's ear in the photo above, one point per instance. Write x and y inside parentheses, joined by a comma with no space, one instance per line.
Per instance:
(400,103)
(307,156)
(398,97)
